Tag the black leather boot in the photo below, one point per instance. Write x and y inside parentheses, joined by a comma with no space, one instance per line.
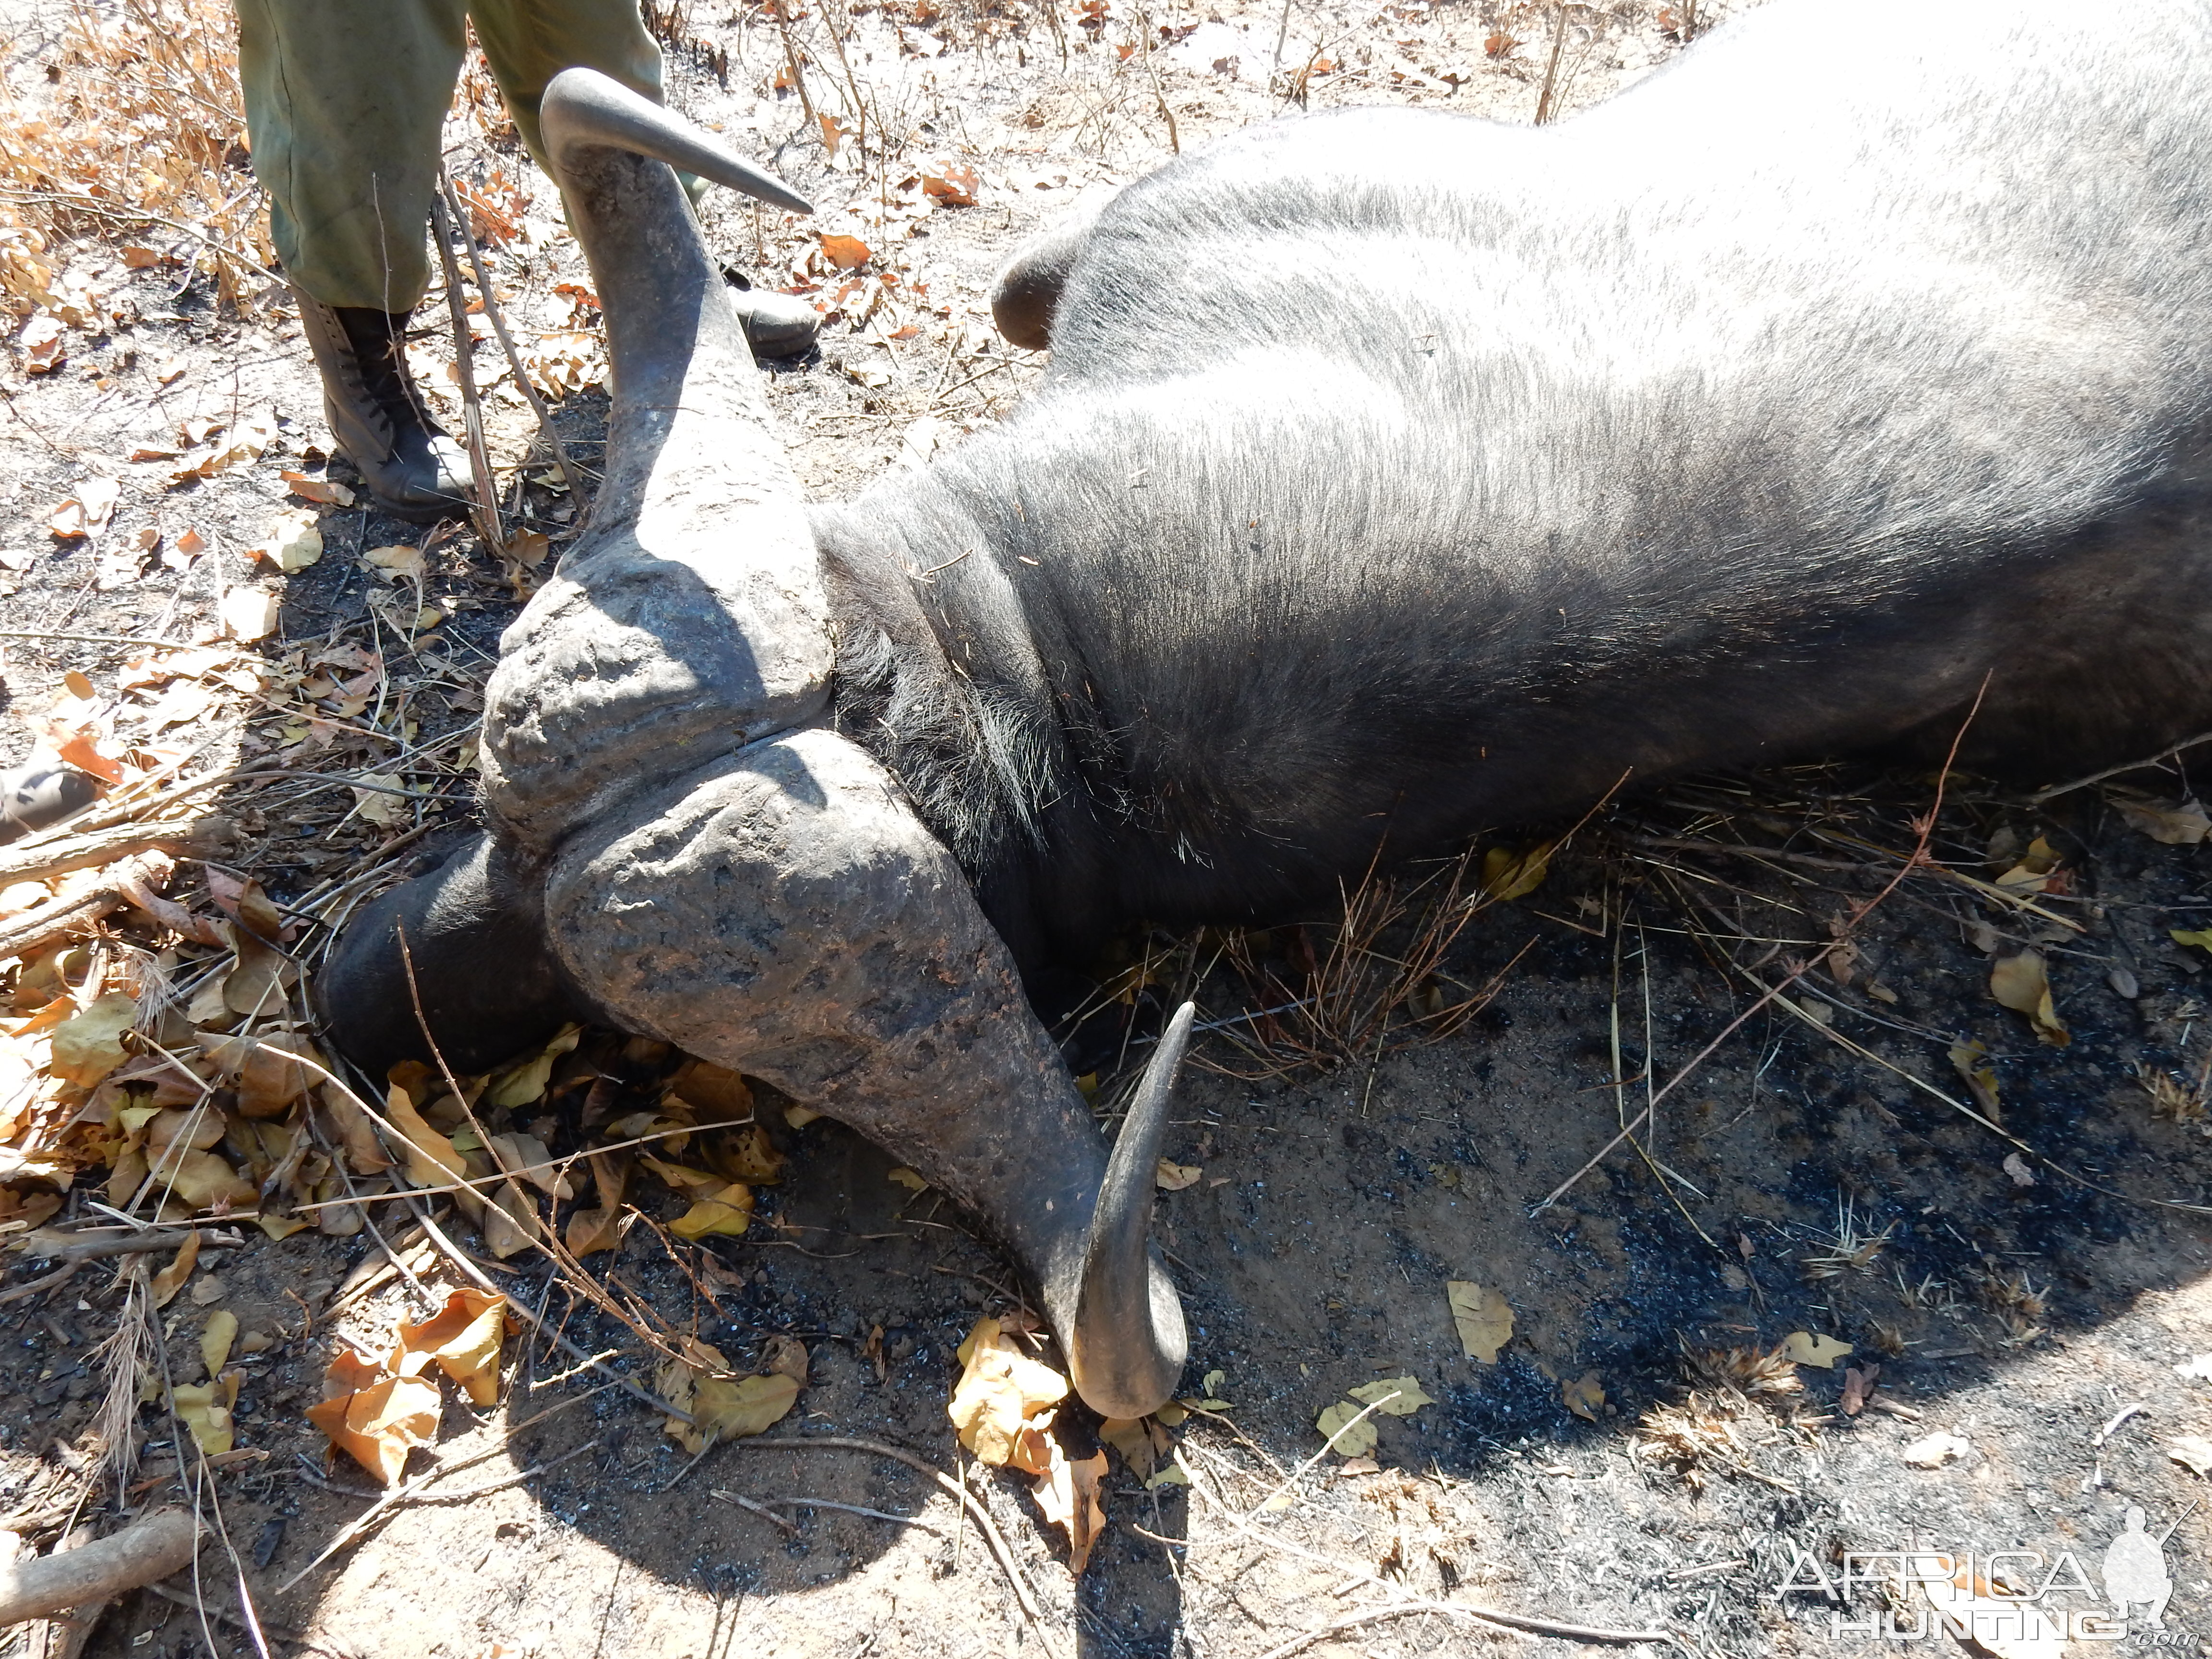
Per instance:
(413,468)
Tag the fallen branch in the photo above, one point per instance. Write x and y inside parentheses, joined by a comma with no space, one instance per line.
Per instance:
(151,1547)
(208,838)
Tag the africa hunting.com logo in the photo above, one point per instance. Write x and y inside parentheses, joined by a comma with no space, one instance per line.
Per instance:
(2019,1602)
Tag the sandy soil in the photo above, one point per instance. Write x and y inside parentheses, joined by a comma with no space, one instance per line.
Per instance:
(2027,1280)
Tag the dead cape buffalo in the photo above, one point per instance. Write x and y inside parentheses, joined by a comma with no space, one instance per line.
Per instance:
(1394,474)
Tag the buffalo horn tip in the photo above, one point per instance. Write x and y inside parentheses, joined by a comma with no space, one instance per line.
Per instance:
(583,107)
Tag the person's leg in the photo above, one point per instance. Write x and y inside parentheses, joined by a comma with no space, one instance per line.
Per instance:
(528,42)
(344,103)
(344,100)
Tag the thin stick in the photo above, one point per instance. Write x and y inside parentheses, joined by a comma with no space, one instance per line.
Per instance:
(776,8)
(1544,111)
(506,341)
(846,1508)
(2058,789)
(756,1507)
(487,502)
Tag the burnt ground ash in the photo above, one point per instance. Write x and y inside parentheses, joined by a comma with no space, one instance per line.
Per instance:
(1792,1184)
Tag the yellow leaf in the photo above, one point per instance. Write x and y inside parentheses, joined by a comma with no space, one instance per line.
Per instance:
(204,1408)
(2033,873)
(431,1159)
(1004,1401)
(1174,1178)
(1583,1395)
(908,1179)
(1972,1062)
(1353,1441)
(727,1213)
(1129,1437)
(464,1337)
(170,1278)
(681,1178)
(1484,1321)
(725,1407)
(215,1341)
(90,1045)
(202,1180)
(1803,1348)
(2199,937)
(523,1084)
(1067,1492)
(744,1154)
(1409,1396)
(2022,984)
(1507,876)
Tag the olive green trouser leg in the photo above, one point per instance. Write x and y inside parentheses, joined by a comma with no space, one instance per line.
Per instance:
(344,100)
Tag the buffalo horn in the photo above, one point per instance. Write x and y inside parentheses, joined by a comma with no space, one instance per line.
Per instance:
(1128,1331)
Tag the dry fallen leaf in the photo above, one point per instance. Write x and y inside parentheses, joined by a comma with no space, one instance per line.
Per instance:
(1486,1323)
(1507,876)
(249,614)
(1346,1438)
(1936,1450)
(2193,1452)
(463,1338)
(88,1046)
(88,511)
(2022,984)
(205,1410)
(1004,1401)
(399,563)
(1859,1388)
(724,1407)
(293,541)
(2033,874)
(846,252)
(1397,1396)
(170,1278)
(1971,1062)
(1067,1492)
(1583,1395)
(328,491)
(2185,826)
(724,1213)
(221,1331)
(375,1417)
(1803,1348)
(1174,1178)
(954,185)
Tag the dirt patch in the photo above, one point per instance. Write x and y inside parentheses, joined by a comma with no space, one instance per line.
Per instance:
(2022,1264)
